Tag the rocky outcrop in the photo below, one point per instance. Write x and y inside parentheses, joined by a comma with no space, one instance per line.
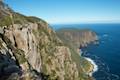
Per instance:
(21,36)
(30,50)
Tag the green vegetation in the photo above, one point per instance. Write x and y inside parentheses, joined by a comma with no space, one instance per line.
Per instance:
(18,18)
(85,64)
(20,56)
(34,19)
(5,21)
(21,19)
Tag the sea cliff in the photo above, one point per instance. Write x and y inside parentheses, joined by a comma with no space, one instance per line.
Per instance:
(76,39)
(31,50)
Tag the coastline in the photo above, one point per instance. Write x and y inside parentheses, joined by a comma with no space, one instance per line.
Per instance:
(94,66)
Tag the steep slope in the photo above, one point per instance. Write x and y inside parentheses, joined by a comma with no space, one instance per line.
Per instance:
(30,50)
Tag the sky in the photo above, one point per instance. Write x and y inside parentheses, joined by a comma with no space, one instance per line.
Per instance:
(69,11)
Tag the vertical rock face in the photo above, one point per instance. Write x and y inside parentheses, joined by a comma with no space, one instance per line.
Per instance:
(30,50)
(79,37)
(22,37)
(7,60)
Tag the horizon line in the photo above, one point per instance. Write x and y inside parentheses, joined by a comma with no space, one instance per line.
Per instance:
(84,23)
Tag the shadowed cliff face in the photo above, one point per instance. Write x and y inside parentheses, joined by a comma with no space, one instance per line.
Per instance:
(30,50)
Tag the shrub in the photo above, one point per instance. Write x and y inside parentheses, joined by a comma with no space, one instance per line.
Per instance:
(5,21)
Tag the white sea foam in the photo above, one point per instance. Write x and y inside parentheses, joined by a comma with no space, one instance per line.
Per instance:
(95,67)
(105,35)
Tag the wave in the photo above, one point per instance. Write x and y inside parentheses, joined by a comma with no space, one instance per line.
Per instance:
(95,66)
(101,70)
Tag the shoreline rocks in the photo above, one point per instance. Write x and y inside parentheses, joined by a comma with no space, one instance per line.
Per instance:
(94,66)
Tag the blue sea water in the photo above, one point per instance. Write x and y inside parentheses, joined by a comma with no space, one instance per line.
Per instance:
(107,53)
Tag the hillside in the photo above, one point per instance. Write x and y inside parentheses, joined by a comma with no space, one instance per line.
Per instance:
(31,50)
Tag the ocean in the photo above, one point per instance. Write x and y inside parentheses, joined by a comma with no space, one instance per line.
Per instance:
(106,54)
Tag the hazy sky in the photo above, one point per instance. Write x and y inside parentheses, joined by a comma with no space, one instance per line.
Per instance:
(70,11)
